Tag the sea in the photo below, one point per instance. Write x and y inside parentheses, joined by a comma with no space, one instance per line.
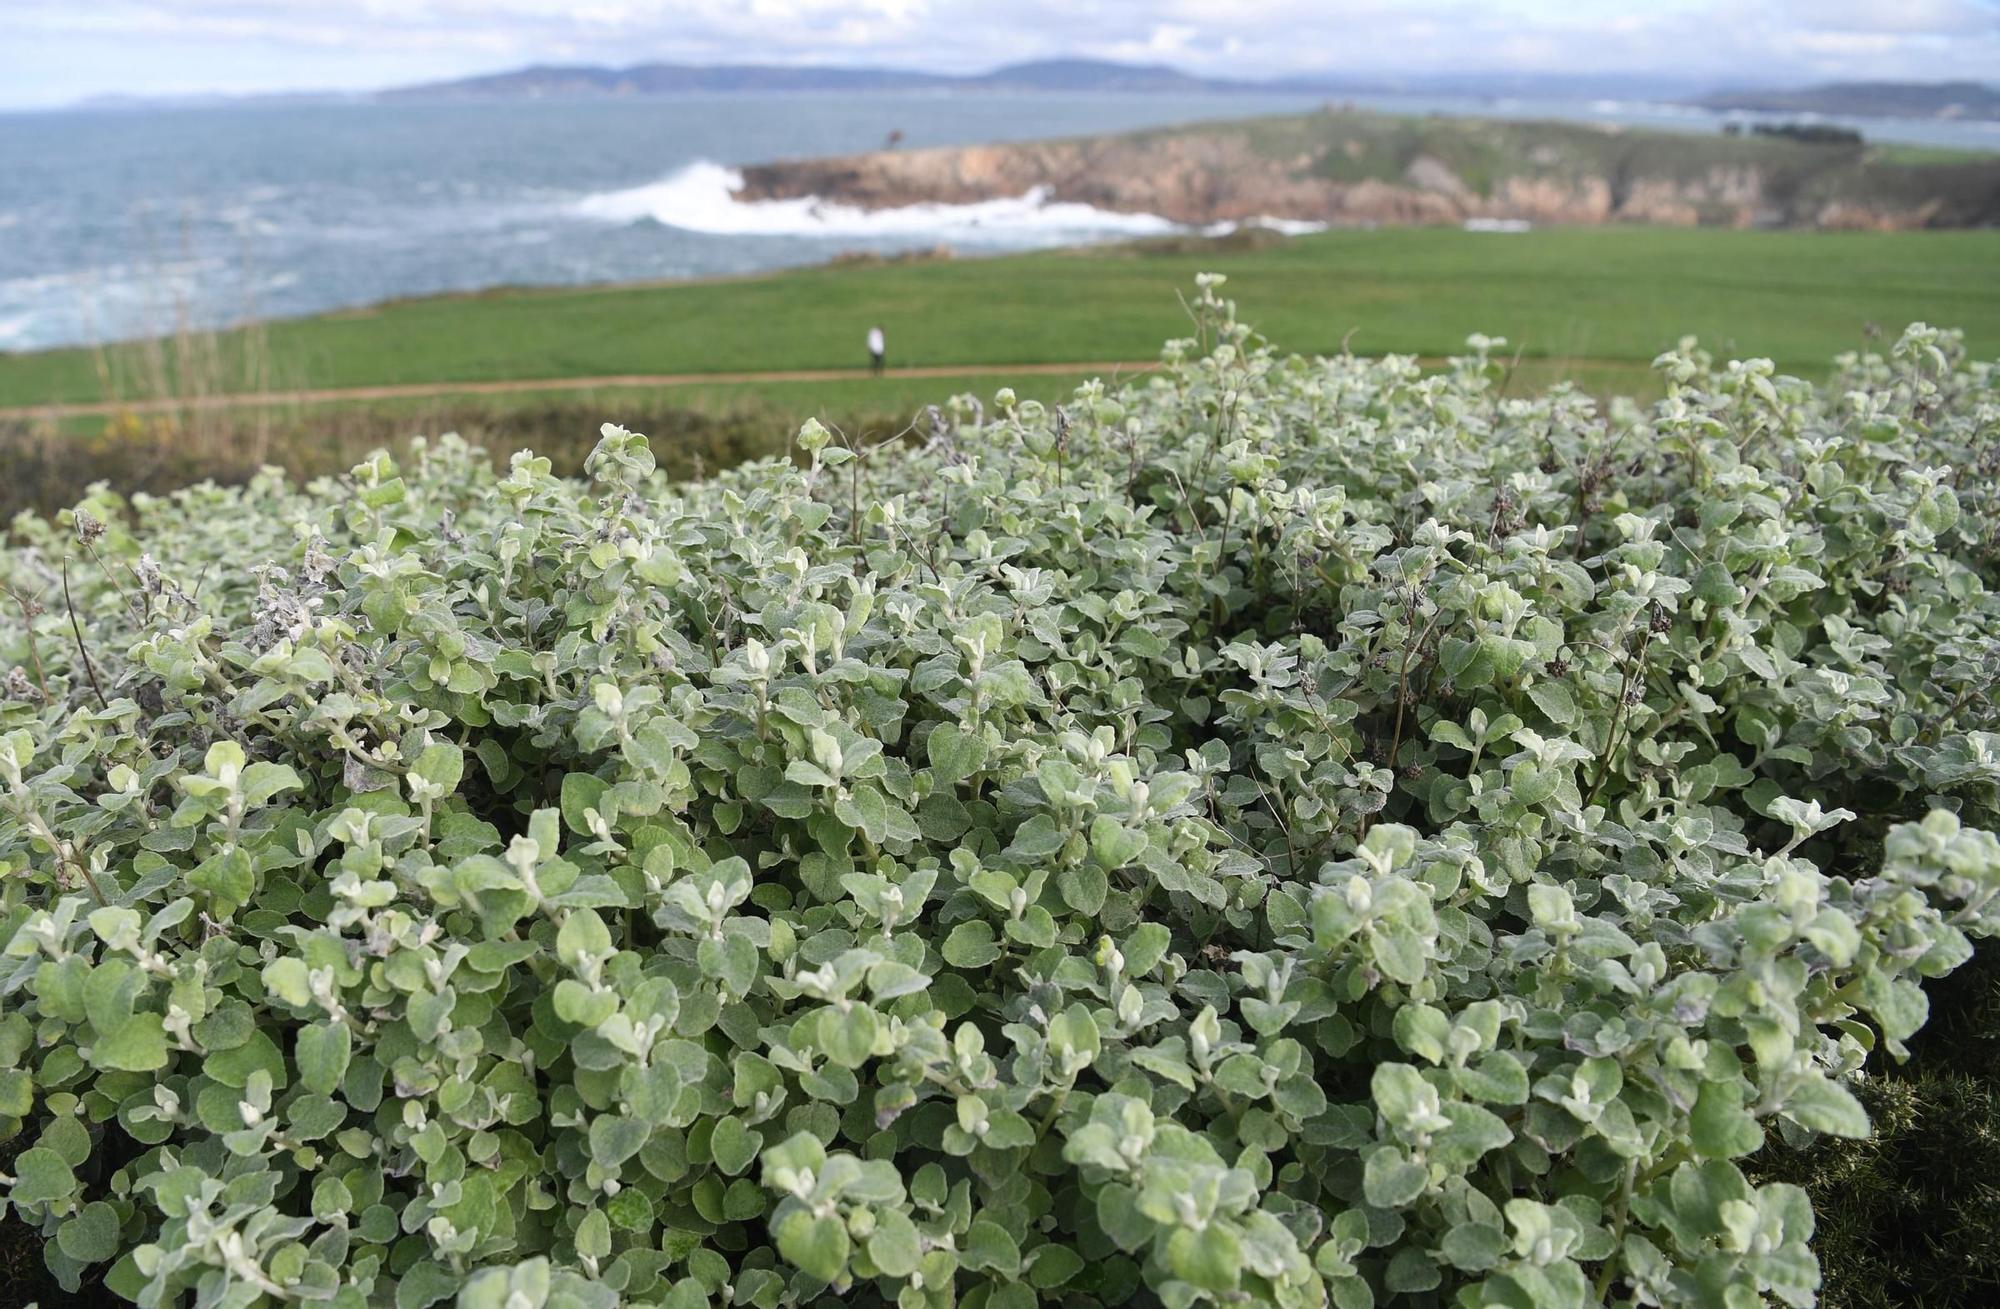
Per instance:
(118,223)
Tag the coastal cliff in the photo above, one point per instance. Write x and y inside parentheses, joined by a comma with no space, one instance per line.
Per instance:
(1364,169)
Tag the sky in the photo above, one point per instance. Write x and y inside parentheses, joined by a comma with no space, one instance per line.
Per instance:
(53,52)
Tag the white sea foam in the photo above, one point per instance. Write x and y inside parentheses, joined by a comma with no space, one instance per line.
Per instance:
(110,301)
(1288,226)
(702,198)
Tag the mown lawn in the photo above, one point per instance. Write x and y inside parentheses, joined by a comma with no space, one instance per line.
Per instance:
(1609,295)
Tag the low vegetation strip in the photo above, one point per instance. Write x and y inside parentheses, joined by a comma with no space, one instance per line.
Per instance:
(1286,831)
(524,386)
(618,382)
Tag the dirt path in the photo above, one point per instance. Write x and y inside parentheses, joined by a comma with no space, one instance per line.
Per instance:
(512,386)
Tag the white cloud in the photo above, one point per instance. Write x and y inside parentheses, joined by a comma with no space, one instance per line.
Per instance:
(1894,17)
(59,49)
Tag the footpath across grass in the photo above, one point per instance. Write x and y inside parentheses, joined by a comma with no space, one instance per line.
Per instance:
(1575,299)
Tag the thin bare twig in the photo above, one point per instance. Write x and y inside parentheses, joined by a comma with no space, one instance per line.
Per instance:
(1403,685)
(1507,378)
(81,648)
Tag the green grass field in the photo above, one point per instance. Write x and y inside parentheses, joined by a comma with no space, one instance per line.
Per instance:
(1599,300)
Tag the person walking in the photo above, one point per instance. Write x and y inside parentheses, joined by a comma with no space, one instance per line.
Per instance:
(877,350)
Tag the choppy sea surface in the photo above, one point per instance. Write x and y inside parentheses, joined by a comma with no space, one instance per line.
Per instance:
(120,223)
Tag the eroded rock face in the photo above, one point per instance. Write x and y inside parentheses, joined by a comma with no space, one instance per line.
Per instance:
(1219,175)
(1551,199)
(1838,216)
(1428,174)
(1190,180)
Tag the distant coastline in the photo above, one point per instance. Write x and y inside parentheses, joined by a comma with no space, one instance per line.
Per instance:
(1969,100)
(1944,100)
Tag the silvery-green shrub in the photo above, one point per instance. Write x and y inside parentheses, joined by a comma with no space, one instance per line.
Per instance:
(1285,831)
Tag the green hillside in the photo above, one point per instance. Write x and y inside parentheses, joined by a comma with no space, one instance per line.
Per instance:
(1603,297)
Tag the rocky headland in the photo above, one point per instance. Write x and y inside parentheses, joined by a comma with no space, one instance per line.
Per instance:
(1363,169)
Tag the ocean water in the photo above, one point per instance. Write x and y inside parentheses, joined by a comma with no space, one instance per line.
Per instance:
(121,223)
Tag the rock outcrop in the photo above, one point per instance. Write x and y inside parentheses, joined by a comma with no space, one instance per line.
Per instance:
(1232,172)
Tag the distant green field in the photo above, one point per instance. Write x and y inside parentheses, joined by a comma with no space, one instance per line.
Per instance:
(1573,298)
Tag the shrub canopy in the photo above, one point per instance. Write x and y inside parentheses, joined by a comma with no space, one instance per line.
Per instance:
(1287,831)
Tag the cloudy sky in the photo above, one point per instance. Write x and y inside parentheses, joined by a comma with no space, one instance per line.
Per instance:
(55,51)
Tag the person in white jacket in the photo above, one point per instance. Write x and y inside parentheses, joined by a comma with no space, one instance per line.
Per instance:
(877,350)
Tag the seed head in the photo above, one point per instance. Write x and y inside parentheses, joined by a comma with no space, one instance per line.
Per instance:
(20,686)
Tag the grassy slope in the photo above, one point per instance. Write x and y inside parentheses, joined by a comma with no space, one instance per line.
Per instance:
(1482,153)
(1611,294)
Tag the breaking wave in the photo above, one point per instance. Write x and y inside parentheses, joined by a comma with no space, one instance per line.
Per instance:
(702,198)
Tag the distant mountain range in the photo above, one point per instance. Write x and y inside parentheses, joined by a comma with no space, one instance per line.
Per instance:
(1868,100)
(1865,99)
(1093,76)
(572,81)
(1056,76)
